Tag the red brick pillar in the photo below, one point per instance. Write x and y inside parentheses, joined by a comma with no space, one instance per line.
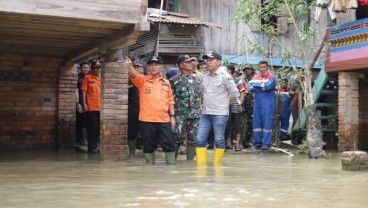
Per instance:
(114,111)
(348,111)
(66,106)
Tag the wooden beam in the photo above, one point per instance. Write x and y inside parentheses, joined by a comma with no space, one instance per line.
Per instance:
(44,42)
(347,65)
(40,51)
(180,50)
(49,20)
(127,11)
(48,35)
(117,40)
(77,28)
(54,28)
(147,48)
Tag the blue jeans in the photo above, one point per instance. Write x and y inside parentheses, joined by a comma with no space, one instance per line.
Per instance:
(206,124)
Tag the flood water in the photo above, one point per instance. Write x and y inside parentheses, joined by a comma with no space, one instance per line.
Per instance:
(72,179)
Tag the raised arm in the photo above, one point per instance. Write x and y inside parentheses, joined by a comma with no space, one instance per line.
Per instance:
(132,72)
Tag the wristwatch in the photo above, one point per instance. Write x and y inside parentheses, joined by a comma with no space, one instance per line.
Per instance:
(172,115)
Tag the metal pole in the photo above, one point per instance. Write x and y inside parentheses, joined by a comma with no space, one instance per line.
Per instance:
(157,39)
(158,30)
(162,4)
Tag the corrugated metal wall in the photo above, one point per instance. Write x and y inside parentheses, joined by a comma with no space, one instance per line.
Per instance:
(227,40)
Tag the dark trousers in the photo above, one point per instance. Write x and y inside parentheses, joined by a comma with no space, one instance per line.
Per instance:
(233,125)
(295,113)
(93,128)
(81,121)
(133,126)
(296,139)
(154,133)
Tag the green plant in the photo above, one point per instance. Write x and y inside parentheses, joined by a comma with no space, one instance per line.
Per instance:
(297,11)
(303,148)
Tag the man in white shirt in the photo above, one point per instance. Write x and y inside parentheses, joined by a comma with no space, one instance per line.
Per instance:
(217,86)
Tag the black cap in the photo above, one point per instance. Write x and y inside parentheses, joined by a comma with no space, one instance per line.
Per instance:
(212,54)
(230,67)
(155,59)
(136,63)
(185,58)
(171,72)
(95,64)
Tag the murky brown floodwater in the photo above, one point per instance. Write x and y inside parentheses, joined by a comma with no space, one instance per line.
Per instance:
(69,179)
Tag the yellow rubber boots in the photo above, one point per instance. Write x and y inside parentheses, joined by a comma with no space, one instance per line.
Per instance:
(201,153)
(219,154)
(202,156)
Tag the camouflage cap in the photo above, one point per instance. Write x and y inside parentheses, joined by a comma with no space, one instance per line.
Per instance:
(248,66)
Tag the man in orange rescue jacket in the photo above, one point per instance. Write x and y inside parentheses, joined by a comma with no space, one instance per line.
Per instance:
(156,109)
(91,92)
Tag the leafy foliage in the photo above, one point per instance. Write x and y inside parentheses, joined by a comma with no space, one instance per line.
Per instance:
(262,18)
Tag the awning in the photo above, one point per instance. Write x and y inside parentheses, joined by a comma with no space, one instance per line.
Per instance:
(236,59)
(174,18)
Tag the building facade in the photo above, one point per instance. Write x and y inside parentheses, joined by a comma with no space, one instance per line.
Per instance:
(40,42)
(347,56)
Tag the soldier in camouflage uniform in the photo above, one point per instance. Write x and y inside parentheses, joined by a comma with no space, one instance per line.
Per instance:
(186,88)
(248,106)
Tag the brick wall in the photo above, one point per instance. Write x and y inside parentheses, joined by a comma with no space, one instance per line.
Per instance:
(114,111)
(67,107)
(363,113)
(348,109)
(28,101)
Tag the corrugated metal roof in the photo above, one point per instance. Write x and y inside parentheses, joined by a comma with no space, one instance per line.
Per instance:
(168,19)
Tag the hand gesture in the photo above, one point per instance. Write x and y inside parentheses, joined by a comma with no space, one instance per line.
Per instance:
(85,107)
(128,61)
(79,108)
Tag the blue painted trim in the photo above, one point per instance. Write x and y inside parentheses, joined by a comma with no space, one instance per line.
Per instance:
(274,61)
(338,27)
(350,47)
(349,33)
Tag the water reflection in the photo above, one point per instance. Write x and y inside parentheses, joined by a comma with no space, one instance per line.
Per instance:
(69,179)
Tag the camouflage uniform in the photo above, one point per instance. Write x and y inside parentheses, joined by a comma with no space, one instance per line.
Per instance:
(248,106)
(187,95)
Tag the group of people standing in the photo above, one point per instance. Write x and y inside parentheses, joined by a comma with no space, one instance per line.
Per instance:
(191,105)
(195,104)
(88,104)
